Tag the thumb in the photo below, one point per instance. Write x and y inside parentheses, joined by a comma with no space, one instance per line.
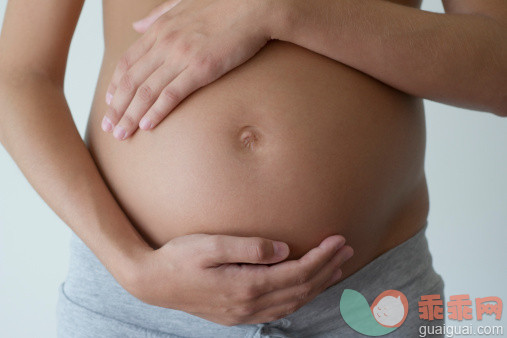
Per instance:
(256,250)
(142,25)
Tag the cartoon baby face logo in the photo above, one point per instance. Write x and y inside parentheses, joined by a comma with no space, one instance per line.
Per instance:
(390,308)
(387,312)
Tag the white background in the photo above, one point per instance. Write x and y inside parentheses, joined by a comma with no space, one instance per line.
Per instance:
(466,166)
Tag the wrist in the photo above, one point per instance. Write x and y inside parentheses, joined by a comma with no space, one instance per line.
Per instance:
(149,273)
(130,271)
(128,268)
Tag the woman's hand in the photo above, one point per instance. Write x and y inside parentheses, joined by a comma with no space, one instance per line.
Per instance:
(202,275)
(186,45)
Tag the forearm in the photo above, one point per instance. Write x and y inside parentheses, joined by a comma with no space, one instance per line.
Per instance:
(37,129)
(451,58)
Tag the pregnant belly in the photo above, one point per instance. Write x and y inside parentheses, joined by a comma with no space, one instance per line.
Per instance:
(290,146)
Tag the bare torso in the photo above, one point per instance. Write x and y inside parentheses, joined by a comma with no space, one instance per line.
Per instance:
(291,146)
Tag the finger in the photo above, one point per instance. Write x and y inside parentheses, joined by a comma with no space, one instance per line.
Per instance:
(144,98)
(280,303)
(126,90)
(142,25)
(346,252)
(253,309)
(297,272)
(223,249)
(138,49)
(182,86)
(301,294)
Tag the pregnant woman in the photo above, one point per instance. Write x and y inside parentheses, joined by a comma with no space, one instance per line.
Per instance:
(270,132)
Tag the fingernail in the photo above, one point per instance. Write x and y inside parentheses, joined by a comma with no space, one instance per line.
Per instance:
(348,254)
(145,124)
(107,125)
(330,242)
(138,22)
(281,249)
(340,242)
(337,274)
(119,133)
(109,98)
(136,25)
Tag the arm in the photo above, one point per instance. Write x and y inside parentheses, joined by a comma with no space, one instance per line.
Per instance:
(457,58)
(37,129)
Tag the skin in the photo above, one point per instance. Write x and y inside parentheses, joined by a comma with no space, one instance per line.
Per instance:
(36,128)
(299,182)
(161,70)
(454,58)
(464,49)
(283,147)
(248,310)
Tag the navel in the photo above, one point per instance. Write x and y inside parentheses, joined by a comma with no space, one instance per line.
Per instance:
(249,137)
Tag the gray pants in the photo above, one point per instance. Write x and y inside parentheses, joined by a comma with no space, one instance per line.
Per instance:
(92,304)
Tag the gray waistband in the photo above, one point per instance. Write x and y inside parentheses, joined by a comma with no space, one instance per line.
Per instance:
(407,268)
